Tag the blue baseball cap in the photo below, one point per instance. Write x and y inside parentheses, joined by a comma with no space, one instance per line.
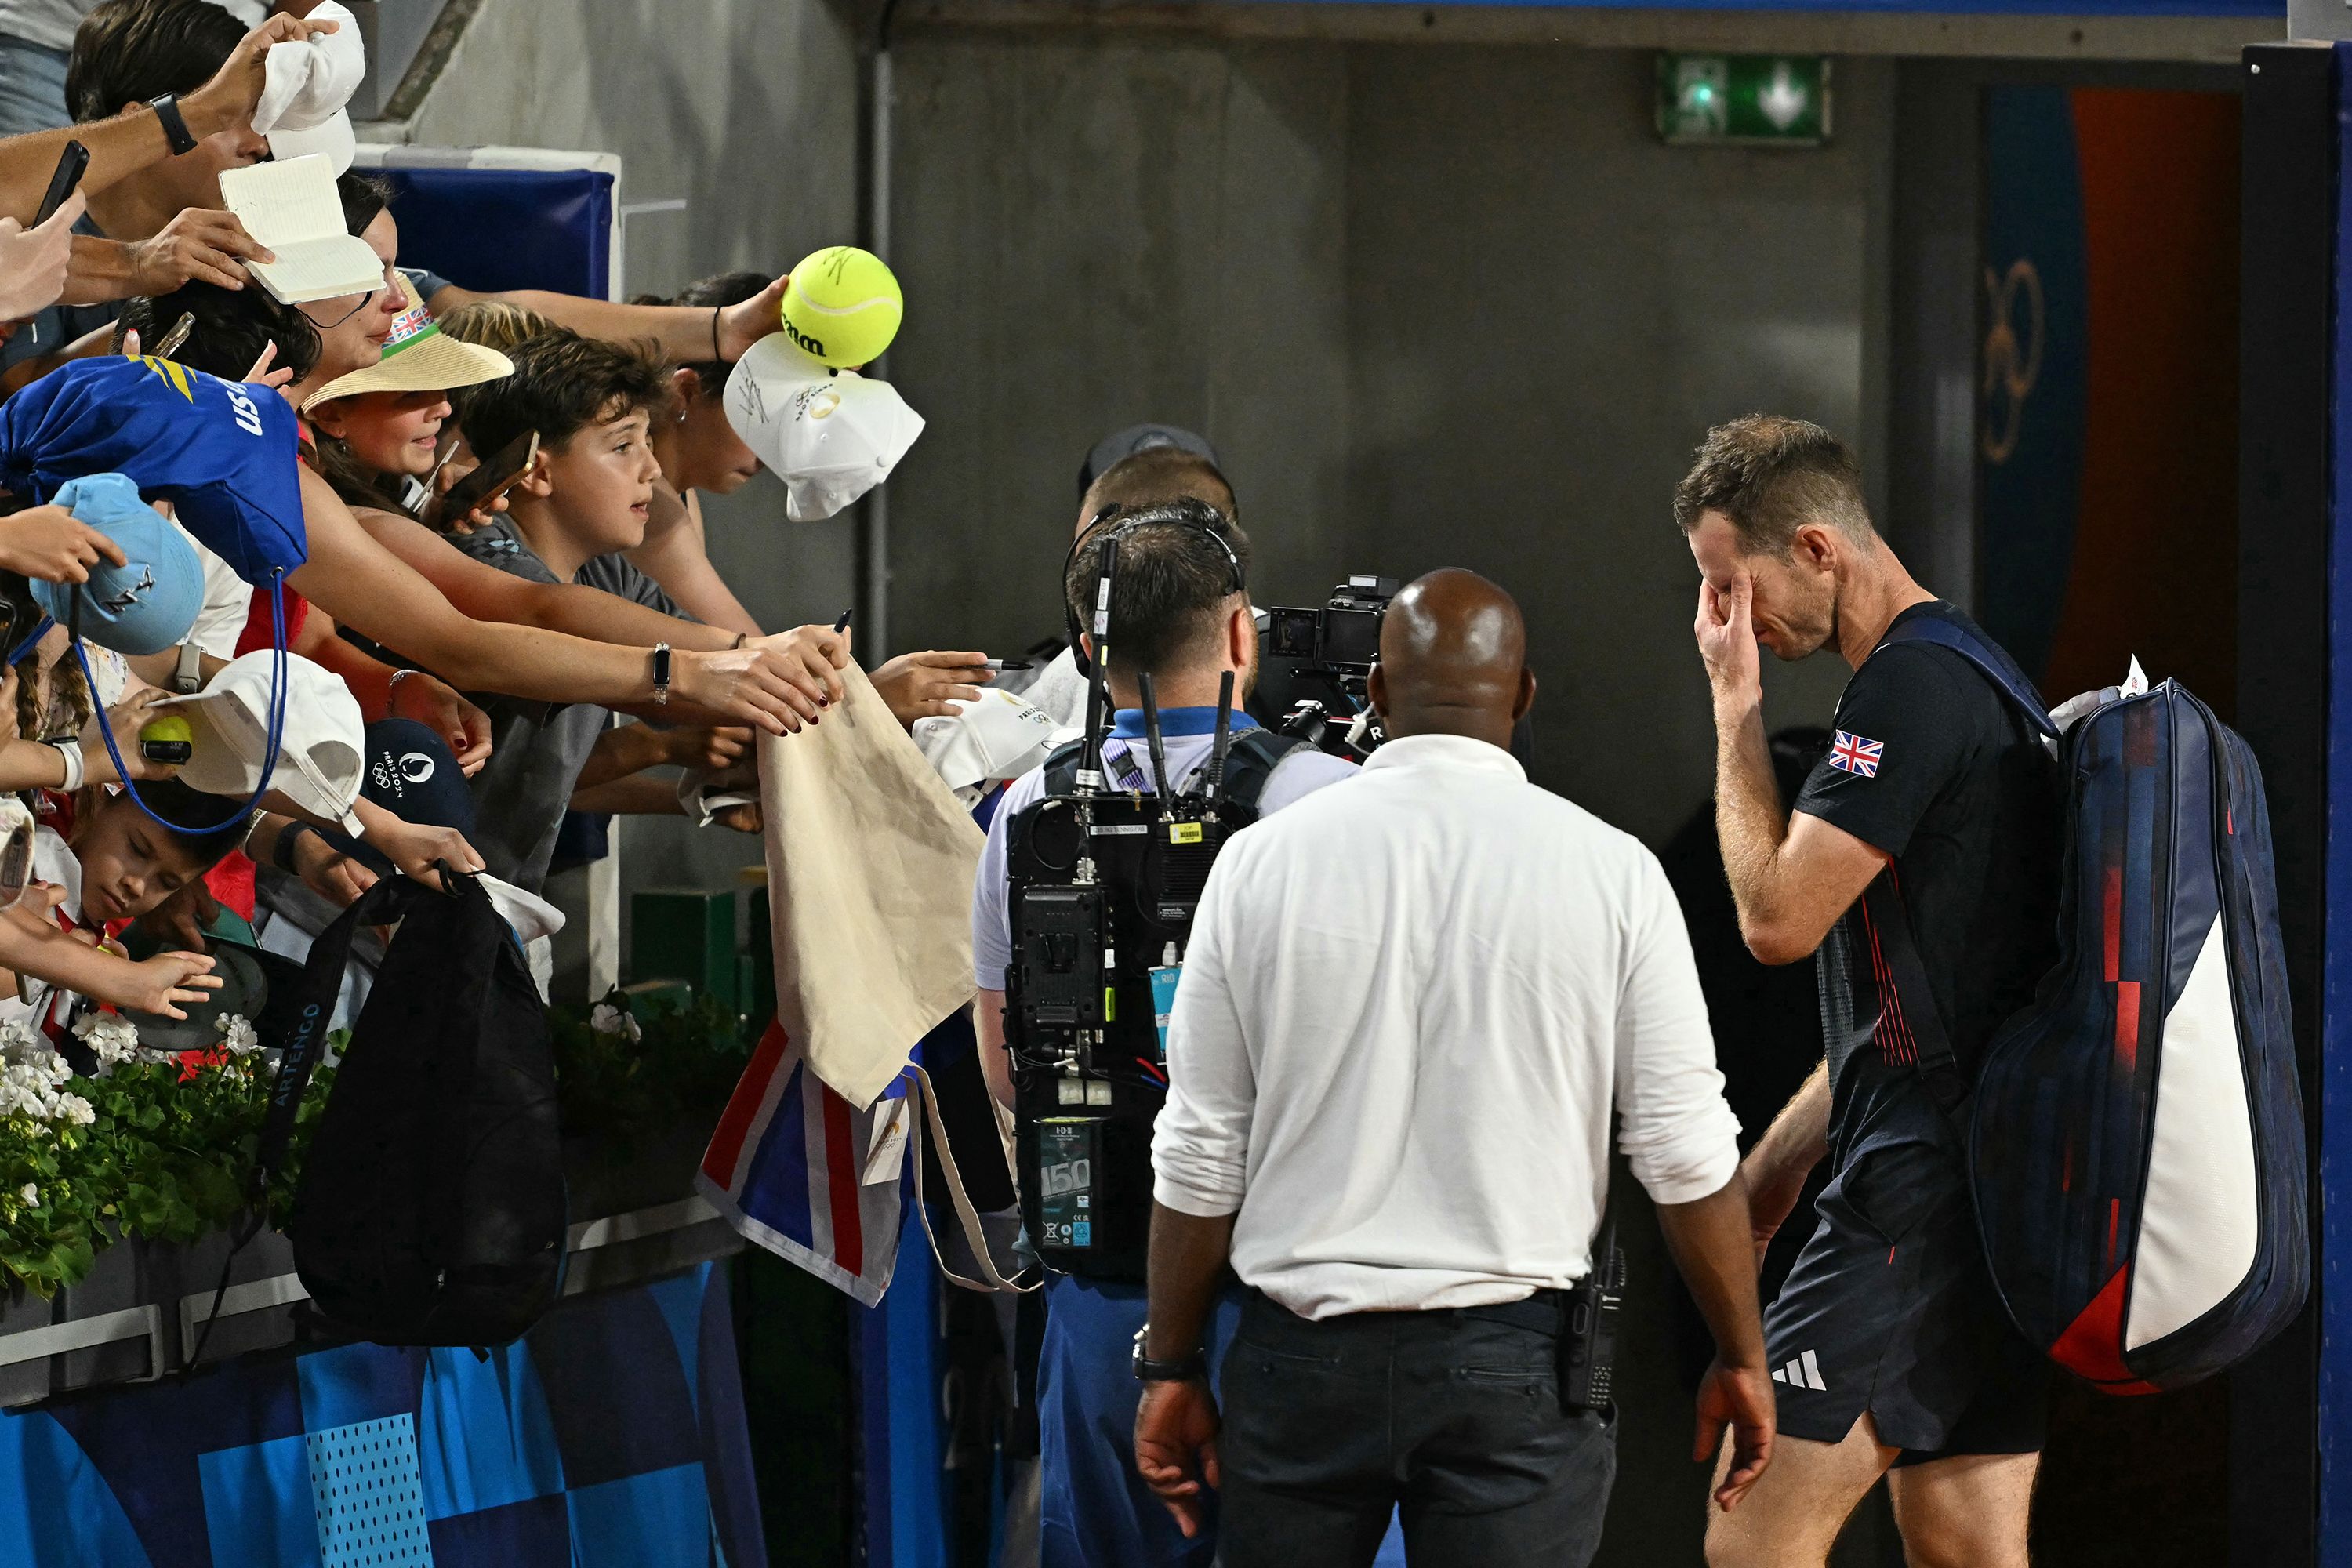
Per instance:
(412,773)
(144,605)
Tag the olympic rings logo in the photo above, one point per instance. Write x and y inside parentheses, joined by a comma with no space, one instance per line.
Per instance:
(2016,323)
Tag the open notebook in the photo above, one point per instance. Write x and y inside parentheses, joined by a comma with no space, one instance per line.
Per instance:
(292,208)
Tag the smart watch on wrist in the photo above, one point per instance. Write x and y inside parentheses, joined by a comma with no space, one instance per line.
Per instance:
(661,675)
(188,671)
(288,837)
(175,124)
(1184,1369)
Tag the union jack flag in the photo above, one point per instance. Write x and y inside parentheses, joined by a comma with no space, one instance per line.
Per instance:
(789,1167)
(1856,755)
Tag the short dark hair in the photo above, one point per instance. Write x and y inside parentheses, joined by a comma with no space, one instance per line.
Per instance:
(1173,580)
(206,826)
(720,290)
(562,383)
(233,326)
(1156,476)
(127,51)
(1771,476)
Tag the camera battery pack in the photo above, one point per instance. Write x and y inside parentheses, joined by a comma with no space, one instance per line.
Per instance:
(1061,958)
(1069,1160)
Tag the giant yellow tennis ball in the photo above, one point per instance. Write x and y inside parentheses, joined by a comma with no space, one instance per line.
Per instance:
(843,306)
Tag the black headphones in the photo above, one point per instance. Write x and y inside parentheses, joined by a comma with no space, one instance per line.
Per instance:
(1146,519)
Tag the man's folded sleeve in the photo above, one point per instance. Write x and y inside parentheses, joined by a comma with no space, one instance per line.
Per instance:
(1199,1149)
(1677,1132)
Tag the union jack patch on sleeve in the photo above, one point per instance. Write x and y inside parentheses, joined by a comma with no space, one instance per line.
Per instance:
(1856,755)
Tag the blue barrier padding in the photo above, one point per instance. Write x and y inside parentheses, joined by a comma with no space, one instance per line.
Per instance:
(553,226)
(613,1433)
(896,1351)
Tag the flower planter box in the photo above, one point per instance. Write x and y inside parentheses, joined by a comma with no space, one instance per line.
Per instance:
(140,1313)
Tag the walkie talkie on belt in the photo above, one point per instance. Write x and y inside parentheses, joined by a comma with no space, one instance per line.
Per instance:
(1588,1333)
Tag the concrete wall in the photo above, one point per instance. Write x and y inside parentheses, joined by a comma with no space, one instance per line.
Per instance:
(1437,306)
(748,109)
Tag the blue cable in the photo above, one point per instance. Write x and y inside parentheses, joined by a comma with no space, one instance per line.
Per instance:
(278,671)
(24,645)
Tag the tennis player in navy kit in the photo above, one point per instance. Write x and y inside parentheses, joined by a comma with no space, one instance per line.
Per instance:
(1894,1357)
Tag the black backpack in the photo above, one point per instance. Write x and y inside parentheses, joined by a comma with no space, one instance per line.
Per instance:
(431,1206)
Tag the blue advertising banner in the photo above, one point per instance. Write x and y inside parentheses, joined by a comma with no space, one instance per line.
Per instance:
(2036,334)
(2334,1108)
(612,1435)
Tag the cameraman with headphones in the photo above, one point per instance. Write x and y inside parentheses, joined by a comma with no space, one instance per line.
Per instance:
(1180,611)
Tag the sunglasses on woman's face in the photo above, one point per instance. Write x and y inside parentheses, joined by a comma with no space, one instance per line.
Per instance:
(389,282)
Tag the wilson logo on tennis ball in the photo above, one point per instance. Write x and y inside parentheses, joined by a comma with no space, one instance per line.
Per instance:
(814,345)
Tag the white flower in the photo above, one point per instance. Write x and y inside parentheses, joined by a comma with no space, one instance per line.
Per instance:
(30,1074)
(238,1035)
(19,1042)
(31,1194)
(606,1019)
(73,1108)
(111,1037)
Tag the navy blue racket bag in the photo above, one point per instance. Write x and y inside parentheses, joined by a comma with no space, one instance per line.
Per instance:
(2138,1149)
(2136,1136)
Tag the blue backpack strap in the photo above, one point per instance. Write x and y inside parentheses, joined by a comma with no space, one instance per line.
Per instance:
(1914,1029)
(1255,754)
(1994,661)
(1061,766)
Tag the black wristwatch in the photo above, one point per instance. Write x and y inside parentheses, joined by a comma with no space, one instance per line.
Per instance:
(282,857)
(661,674)
(1184,1369)
(175,124)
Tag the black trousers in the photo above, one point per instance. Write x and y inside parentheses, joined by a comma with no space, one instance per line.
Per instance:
(1451,1417)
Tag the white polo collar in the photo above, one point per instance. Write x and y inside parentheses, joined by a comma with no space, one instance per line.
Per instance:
(1442,751)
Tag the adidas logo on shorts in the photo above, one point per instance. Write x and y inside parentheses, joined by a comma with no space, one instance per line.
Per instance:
(1803,1372)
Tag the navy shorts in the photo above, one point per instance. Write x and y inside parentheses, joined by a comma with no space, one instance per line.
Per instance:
(1890,1309)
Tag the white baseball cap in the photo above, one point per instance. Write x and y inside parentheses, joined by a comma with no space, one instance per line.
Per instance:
(997,736)
(320,755)
(831,436)
(305,87)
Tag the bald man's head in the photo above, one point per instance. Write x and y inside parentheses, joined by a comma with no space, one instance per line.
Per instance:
(1453,660)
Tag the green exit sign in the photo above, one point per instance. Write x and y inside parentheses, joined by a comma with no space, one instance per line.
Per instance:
(1782,99)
